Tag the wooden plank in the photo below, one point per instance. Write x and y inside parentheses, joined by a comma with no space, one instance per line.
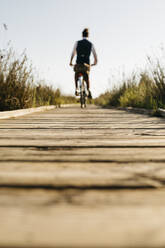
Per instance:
(76,218)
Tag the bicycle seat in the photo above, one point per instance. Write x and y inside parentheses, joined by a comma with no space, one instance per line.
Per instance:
(80,74)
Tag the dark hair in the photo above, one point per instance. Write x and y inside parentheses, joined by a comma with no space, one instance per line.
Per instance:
(85,32)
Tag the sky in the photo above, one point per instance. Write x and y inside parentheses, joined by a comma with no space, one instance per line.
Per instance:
(123,32)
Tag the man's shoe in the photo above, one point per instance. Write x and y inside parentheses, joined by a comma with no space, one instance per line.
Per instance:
(89,94)
(76,93)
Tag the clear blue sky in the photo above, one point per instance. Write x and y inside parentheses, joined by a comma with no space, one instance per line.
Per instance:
(123,32)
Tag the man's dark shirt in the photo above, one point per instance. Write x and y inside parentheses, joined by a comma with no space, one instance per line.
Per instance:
(84,48)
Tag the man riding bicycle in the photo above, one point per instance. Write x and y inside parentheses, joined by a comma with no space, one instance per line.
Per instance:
(83,49)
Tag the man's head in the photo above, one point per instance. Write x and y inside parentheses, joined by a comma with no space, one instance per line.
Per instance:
(85,33)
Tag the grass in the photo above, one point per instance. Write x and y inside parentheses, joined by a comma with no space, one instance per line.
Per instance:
(19,87)
(142,90)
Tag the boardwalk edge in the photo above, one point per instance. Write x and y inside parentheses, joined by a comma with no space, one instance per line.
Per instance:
(21,112)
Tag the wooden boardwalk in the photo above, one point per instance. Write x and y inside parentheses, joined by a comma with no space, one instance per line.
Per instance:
(82,178)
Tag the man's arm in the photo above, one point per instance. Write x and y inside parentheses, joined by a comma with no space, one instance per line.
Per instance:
(94,55)
(73,54)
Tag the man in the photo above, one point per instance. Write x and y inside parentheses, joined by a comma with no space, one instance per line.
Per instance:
(83,49)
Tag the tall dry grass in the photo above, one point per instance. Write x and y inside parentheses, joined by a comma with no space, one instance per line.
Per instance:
(19,87)
(143,90)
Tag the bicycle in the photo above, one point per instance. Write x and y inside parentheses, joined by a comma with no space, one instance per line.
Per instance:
(82,88)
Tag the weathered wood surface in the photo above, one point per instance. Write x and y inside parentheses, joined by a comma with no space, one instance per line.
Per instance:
(82,178)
